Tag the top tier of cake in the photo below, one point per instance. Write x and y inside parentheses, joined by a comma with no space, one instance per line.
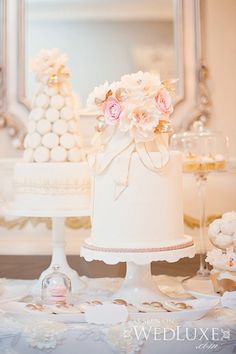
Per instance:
(53,128)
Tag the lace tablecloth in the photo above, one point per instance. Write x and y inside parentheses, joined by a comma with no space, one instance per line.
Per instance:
(216,332)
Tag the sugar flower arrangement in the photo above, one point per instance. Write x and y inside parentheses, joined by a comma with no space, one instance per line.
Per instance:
(135,105)
(49,66)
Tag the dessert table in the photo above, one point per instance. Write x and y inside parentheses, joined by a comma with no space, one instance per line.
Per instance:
(27,334)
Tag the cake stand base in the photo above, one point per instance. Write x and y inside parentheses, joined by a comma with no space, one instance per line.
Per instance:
(139,285)
(58,242)
(59,258)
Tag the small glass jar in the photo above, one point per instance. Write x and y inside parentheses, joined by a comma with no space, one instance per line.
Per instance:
(56,287)
(203,150)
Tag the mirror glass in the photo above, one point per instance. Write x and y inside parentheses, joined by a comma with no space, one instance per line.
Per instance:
(103,39)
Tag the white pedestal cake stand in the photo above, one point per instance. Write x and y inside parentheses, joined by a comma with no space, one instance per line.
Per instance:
(58,242)
(138,285)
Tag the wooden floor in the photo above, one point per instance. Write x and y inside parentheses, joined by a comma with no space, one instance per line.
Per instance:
(30,267)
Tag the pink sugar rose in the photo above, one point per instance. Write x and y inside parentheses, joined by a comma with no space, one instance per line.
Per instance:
(163,102)
(112,110)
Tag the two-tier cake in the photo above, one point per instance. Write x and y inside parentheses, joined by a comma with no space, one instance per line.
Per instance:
(137,182)
(53,173)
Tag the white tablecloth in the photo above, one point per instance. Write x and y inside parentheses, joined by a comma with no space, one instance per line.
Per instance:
(216,332)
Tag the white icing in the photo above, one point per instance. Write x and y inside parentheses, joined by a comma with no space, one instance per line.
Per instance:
(74,155)
(52,114)
(43,126)
(67,140)
(57,101)
(42,100)
(28,155)
(147,191)
(37,113)
(50,140)
(67,113)
(58,154)
(41,154)
(33,140)
(31,127)
(52,185)
(60,127)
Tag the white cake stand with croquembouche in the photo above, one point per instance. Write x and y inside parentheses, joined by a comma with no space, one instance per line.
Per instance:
(53,179)
(137,213)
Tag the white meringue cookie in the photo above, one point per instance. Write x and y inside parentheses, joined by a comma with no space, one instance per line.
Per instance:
(50,140)
(223,241)
(43,126)
(214,228)
(41,154)
(72,126)
(57,101)
(33,140)
(52,114)
(67,113)
(74,155)
(28,155)
(31,127)
(50,91)
(60,127)
(42,101)
(58,154)
(231,215)
(37,114)
(228,227)
(67,141)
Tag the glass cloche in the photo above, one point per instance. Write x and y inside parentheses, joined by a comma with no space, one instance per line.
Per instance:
(56,287)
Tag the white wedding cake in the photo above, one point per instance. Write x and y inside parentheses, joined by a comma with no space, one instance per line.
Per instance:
(53,173)
(137,183)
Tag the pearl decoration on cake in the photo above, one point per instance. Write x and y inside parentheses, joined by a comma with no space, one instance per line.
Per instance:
(36,113)
(28,155)
(52,114)
(74,155)
(57,101)
(42,101)
(60,127)
(50,140)
(33,140)
(67,113)
(58,154)
(41,154)
(43,126)
(67,141)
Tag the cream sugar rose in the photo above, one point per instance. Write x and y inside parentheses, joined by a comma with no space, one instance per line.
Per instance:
(53,174)
(137,182)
